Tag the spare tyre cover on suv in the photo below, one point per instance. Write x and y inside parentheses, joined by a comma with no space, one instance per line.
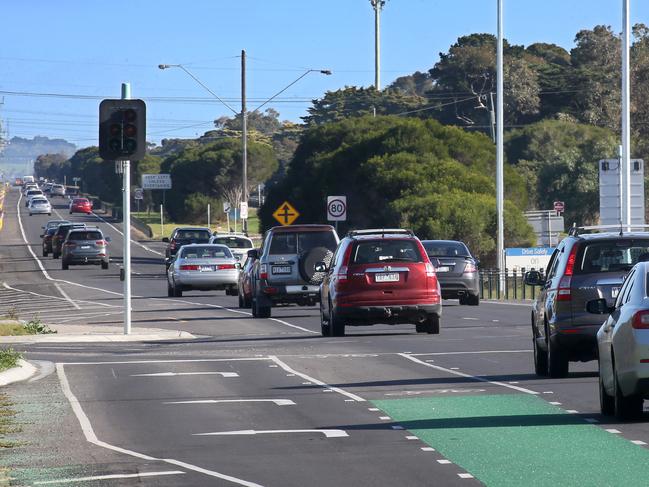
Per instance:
(309,259)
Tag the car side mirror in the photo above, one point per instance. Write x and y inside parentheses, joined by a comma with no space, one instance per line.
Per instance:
(253,253)
(42,236)
(534,278)
(477,262)
(238,265)
(320,267)
(107,239)
(599,307)
(165,239)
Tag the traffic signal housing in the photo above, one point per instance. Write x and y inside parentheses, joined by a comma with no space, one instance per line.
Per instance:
(122,130)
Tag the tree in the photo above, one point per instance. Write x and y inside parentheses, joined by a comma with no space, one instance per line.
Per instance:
(51,166)
(416,84)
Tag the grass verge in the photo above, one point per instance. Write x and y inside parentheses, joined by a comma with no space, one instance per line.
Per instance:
(9,358)
(15,328)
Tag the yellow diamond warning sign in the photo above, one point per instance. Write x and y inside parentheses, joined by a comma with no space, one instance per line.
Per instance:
(286,214)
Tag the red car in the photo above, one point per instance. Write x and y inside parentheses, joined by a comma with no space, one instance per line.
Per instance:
(244,286)
(379,276)
(81,205)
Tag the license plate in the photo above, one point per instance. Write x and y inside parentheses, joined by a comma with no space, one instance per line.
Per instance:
(443,269)
(614,292)
(84,247)
(206,268)
(285,269)
(392,277)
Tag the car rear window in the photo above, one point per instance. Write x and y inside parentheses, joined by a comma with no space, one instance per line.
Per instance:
(233,242)
(612,256)
(80,201)
(300,242)
(446,249)
(381,251)
(211,252)
(192,235)
(85,236)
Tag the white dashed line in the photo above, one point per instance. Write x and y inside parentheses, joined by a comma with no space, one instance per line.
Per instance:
(412,437)
(465,475)
(385,418)
(613,431)
(373,409)
(548,392)
(555,403)
(427,448)
(572,411)
(638,442)
(444,462)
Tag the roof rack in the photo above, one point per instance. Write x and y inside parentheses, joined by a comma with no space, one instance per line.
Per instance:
(575,230)
(381,231)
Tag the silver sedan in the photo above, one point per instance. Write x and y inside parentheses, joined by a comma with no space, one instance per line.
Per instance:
(623,344)
(203,267)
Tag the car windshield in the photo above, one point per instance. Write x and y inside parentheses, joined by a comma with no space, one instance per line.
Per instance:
(233,242)
(612,256)
(301,242)
(446,249)
(90,235)
(206,252)
(380,251)
(192,235)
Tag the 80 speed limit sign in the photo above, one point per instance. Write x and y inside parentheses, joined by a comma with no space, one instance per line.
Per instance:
(336,208)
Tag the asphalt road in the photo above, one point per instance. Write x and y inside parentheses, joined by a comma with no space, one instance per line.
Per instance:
(270,402)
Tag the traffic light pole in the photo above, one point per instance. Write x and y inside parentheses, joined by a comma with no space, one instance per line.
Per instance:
(126,205)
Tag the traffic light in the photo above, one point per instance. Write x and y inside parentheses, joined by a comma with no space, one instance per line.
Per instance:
(122,129)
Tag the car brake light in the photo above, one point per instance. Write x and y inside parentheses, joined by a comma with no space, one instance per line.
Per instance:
(100,242)
(70,244)
(342,273)
(172,244)
(641,320)
(225,266)
(563,291)
(263,271)
(570,265)
(470,267)
(430,270)
(189,267)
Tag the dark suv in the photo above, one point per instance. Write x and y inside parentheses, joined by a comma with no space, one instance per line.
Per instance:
(284,269)
(183,236)
(59,237)
(379,276)
(583,267)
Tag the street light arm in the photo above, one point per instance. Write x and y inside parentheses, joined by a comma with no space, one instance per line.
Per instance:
(323,71)
(165,66)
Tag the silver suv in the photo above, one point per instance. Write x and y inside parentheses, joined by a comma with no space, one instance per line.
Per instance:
(583,267)
(85,246)
(284,272)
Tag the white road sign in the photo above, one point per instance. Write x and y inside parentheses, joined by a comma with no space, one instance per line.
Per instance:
(243,210)
(226,207)
(336,208)
(138,194)
(156,181)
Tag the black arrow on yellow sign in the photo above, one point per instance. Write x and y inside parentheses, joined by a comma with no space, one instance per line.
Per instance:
(286,214)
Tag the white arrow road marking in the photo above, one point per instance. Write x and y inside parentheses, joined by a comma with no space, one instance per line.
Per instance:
(173,374)
(279,402)
(327,433)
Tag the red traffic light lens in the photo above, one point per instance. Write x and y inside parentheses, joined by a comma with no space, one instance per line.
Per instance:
(130,130)
(130,115)
(115,129)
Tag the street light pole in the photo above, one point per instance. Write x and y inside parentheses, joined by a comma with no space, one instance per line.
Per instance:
(500,194)
(626,112)
(378,5)
(244,138)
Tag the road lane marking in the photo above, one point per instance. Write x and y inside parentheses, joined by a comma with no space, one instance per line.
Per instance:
(314,380)
(410,437)
(613,431)
(572,411)
(65,295)
(468,376)
(465,476)
(329,433)
(89,433)
(174,374)
(170,361)
(385,418)
(470,352)
(427,448)
(107,477)
(435,391)
(278,402)
(444,462)
(638,442)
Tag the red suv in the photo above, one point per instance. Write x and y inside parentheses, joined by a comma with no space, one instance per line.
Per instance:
(80,205)
(379,276)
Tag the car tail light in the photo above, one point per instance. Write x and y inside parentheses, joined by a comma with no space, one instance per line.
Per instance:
(189,267)
(430,270)
(641,320)
(70,244)
(563,291)
(270,290)
(225,266)
(100,242)
(470,267)
(342,273)
(263,271)
(172,245)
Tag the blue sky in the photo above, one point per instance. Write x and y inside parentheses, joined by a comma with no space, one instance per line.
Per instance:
(87,48)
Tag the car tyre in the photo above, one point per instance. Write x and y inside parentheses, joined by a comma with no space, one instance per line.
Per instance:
(260,311)
(336,325)
(463,300)
(170,290)
(64,265)
(473,300)
(628,407)
(432,325)
(606,402)
(178,293)
(55,255)
(30,214)
(45,254)
(104,264)
(557,361)
(324,324)
(540,358)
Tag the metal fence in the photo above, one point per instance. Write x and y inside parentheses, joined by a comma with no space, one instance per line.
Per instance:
(507,284)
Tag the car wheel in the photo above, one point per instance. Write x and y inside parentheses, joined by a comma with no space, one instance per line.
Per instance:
(170,290)
(262,311)
(104,264)
(324,324)
(473,300)
(178,293)
(70,213)
(628,407)
(463,300)
(30,214)
(540,357)
(336,325)
(64,265)
(45,254)
(55,255)
(432,325)
(557,361)
(606,402)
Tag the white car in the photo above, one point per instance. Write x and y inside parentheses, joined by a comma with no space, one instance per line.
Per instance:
(31,194)
(203,267)
(623,344)
(238,244)
(39,206)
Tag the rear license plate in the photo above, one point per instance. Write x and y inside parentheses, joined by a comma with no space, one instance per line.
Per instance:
(285,269)
(85,247)
(615,291)
(206,268)
(443,269)
(392,277)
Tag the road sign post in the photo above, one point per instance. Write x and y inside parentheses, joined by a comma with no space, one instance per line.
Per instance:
(286,214)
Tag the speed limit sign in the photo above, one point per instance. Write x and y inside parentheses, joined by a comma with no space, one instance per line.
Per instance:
(336,208)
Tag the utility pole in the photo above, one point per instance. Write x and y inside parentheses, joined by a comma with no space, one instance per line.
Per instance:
(378,6)
(244,137)
(500,195)
(126,206)
(626,111)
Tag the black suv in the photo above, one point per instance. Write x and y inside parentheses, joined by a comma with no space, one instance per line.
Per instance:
(584,266)
(183,236)
(284,269)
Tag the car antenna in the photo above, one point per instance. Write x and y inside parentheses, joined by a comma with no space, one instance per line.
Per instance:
(621,228)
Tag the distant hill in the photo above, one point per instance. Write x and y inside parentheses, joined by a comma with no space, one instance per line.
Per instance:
(17,157)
